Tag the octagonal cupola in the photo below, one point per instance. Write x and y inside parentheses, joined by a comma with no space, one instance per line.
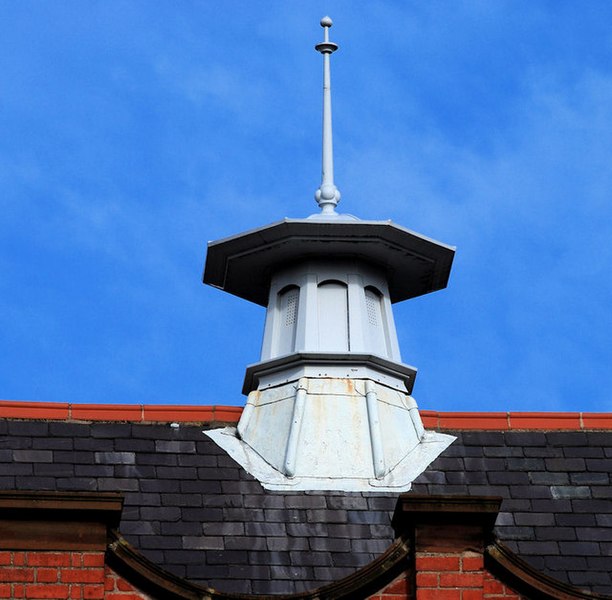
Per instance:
(329,403)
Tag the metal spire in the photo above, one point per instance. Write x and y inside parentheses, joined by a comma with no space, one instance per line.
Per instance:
(327,195)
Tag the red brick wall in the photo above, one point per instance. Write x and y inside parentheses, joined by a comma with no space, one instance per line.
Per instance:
(448,576)
(61,576)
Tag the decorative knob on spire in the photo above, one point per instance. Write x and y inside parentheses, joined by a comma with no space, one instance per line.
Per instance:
(327,196)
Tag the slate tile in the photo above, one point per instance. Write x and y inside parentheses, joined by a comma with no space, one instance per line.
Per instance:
(16,443)
(566,464)
(207,486)
(18,469)
(54,470)
(546,478)
(448,463)
(463,478)
(115,458)
(525,438)
(181,500)
(196,460)
(525,464)
(350,530)
(157,459)
(264,501)
(226,557)
(530,491)
(484,464)
(135,471)
(246,543)
(28,428)
(160,542)
(134,445)
(161,513)
(7,482)
(505,519)
(6,456)
(564,439)
(482,438)
(305,501)
(592,506)
(46,443)
(140,528)
(308,530)
(40,483)
(352,502)
(174,446)
(490,490)
(581,578)
(209,573)
(604,520)
(575,519)
(111,430)
(222,500)
(529,518)
(503,452)
(224,528)
(33,456)
(204,543)
(217,474)
(518,504)
(380,532)
(583,452)
(513,478)
(350,559)
(369,546)
(538,548)
(248,572)
(281,543)
(294,572)
(182,473)
(243,514)
(240,487)
(107,484)
(69,430)
(311,559)
(368,517)
(544,452)
(326,516)
(179,528)
(158,485)
(565,563)
(265,529)
(93,444)
(555,533)
(594,534)
(155,432)
(275,515)
(579,548)
(86,484)
(328,544)
(603,465)
(456,489)
(590,478)
(555,506)
(570,491)
(515,533)
(386,503)
(143,499)
(75,457)
(331,573)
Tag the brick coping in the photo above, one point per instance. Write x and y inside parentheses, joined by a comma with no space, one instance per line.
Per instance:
(157,413)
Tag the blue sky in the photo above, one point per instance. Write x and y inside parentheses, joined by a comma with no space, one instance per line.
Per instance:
(131,133)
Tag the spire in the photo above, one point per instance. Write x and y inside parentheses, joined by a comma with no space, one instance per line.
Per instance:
(327,195)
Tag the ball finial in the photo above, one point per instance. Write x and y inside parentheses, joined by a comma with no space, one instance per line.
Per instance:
(326,22)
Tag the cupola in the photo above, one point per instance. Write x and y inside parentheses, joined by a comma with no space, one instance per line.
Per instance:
(329,404)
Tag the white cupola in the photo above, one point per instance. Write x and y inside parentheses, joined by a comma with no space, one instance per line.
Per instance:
(329,404)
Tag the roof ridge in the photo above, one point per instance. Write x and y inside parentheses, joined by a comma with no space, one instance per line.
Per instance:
(171,413)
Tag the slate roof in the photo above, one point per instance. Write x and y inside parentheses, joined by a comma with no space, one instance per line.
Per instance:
(193,511)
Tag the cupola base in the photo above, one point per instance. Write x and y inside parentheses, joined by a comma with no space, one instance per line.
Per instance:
(332,434)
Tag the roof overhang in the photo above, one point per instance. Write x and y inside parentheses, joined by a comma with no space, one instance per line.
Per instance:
(243,264)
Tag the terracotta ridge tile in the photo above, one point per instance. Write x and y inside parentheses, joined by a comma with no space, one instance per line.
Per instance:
(432,419)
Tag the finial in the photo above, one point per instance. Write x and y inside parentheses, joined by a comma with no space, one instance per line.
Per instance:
(327,195)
